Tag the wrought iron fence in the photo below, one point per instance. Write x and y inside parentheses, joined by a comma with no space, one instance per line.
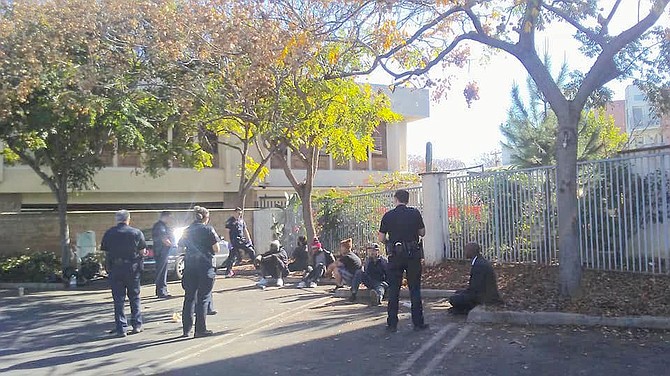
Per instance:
(357,216)
(623,217)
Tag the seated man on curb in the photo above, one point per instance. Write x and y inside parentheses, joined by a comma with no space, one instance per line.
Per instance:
(321,259)
(347,265)
(300,256)
(273,263)
(482,287)
(373,276)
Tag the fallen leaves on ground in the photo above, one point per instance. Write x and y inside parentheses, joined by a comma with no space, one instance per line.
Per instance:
(532,287)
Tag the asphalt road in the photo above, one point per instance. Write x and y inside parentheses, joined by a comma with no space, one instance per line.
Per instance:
(299,331)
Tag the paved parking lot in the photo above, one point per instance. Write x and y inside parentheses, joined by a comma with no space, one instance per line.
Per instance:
(298,331)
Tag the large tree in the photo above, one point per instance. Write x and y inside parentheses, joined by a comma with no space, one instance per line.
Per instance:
(74,79)
(406,39)
(330,117)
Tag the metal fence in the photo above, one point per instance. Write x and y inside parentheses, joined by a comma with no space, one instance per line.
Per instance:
(357,216)
(623,217)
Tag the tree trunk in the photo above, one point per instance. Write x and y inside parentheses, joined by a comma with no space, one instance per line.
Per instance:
(306,197)
(64,229)
(570,269)
(241,198)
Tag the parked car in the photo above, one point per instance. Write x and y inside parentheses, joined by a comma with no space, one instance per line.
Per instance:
(176,258)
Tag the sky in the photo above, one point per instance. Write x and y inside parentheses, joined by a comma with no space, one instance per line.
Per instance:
(463,133)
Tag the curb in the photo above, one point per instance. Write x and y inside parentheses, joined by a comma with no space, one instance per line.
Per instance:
(32,285)
(480,315)
(404,293)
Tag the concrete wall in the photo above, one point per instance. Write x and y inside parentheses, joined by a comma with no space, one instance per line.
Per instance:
(39,231)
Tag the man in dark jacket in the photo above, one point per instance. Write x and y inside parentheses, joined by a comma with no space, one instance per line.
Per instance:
(300,256)
(482,287)
(273,264)
(373,276)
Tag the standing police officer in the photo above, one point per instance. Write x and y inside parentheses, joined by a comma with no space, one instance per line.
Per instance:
(400,229)
(163,239)
(124,246)
(240,241)
(201,243)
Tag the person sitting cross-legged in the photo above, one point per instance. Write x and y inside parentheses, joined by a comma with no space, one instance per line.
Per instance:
(373,276)
(273,263)
(482,287)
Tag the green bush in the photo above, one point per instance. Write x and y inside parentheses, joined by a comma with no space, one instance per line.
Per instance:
(35,267)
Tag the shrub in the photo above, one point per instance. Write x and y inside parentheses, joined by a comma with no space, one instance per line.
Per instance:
(34,267)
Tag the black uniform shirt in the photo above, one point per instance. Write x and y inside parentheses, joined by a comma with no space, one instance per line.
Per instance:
(159,233)
(198,238)
(124,242)
(402,224)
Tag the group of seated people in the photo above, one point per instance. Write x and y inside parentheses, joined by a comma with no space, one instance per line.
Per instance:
(316,263)
(348,269)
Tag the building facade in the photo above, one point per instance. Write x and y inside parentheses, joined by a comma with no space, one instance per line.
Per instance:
(122,184)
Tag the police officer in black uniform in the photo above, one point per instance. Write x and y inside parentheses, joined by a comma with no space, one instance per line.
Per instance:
(163,239)
(400,230)
(201,243)
(240,241)
(124,246)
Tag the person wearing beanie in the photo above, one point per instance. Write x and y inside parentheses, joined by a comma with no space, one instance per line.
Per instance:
(273,263)
(321,259)
(347,265)
(373,276)
(201,243)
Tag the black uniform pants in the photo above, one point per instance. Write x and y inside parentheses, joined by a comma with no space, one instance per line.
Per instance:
(235,255)
(398,264)
(124,279)
(197,283)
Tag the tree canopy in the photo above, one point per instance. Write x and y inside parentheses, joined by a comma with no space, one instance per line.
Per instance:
(74,79)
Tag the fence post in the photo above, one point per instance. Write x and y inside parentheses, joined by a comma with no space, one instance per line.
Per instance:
(433,210)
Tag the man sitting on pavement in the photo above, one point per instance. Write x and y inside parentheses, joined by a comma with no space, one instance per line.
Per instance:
(300,256)
(373,276)
(321,259)
(482,287)
(273,263)
(347,265)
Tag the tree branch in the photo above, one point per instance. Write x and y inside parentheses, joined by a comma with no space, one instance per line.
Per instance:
(378,58)
(604,69)
(32,162)
(566,17)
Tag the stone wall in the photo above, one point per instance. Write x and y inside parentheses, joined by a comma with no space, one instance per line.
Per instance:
(39,231)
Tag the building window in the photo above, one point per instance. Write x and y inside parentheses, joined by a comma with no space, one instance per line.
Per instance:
(638,97)
(638,117)
(379,136)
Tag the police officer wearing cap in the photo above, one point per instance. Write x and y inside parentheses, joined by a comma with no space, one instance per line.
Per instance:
(124,246)
(201,243)
(400,230)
